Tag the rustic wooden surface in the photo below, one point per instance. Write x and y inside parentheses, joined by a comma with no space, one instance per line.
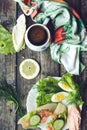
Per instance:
(9,65)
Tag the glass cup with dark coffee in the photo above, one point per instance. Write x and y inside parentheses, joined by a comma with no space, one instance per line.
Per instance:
(38,37)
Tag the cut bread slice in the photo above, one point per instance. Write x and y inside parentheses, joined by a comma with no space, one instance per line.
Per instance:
(18,33)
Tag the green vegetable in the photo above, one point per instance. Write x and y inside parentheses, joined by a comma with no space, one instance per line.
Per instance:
(24,121)
(43,98)
(58,124)
(62,116)
(73,96)
(6,44)
(30,120)
(48,85)
(9,93)
(34,120)
(68,78)
(46,88)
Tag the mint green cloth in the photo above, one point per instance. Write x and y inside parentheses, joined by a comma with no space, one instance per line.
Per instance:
(67,51)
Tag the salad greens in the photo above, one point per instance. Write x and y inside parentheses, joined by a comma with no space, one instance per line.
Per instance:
(75,95)
(6,44)
(47,87)
(9,93)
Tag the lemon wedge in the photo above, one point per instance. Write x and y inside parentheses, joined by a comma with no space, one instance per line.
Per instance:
(29,69)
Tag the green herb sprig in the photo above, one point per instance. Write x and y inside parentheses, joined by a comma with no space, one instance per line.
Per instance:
(10,94)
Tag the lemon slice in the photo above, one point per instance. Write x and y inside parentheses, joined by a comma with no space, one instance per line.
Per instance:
(29,69)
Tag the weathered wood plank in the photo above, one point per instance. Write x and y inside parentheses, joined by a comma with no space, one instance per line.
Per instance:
(7,13)
(7,114)
(84,11)
(84,74)
(48,66)
(84,79)
(7,65)
(24,85)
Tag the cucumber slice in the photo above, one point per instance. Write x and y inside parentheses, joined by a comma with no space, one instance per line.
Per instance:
(58,124)
(34,120)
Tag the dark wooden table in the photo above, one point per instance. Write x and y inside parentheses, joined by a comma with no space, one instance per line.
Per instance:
(9,65)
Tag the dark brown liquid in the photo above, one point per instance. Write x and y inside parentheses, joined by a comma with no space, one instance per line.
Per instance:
(37,35)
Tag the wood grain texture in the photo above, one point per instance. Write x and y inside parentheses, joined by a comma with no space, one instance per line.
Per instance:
(7,13)
(9,65)
(84,74)
(84,11)
(48,67)
(24,85)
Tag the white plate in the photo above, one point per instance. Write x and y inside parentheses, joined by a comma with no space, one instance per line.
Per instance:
(31,98)
(31,104)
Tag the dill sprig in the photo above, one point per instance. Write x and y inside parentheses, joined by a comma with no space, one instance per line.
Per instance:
(11,95)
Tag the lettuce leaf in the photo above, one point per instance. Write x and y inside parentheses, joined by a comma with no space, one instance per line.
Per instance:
(6,44)
(46,88)
(68,78)
(48,85)
(75,95)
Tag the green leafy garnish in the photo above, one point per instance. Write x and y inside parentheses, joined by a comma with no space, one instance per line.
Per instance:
(48,85)
(74,96)
(6,43)
(9,93)
(46,88)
